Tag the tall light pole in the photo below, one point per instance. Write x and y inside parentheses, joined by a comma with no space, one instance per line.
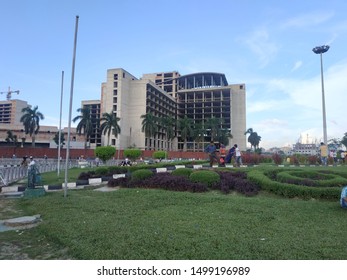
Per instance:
(320,50)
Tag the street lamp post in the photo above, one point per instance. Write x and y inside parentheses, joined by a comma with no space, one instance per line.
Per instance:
(320,50)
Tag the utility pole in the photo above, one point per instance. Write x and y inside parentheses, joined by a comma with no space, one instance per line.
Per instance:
(9,93)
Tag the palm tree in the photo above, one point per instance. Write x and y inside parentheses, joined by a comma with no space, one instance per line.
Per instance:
(85,124)
(149,125)
(224,136)
(110,123)
(31,121)
(213,125)
(199,133)
(186,127)
(253,138)
(168,124)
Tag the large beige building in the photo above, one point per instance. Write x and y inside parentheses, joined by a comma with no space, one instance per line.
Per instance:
(199,96)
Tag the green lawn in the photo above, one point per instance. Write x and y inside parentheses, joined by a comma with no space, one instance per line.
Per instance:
(156,224)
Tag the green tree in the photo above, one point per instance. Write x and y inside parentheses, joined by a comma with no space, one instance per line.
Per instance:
(31,121)
(85,125)
(11,138)
(110,123)
(149,125)
(224,136)
(105,153)
(56,139)
(253,138)
(168,124)
(133,154)
(185,126)
(199,134)
(213,127)
(344,140)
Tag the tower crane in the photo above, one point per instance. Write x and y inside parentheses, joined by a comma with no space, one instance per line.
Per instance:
(9,93)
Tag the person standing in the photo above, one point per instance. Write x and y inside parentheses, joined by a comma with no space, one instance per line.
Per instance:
(211,149)
(323,153)
(32,173)
(238,156)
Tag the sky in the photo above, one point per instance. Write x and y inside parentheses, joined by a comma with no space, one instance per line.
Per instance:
(265,44)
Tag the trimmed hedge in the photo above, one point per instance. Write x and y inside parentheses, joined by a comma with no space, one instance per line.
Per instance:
(141,174)
(266,181)
(207,177)
(182,172)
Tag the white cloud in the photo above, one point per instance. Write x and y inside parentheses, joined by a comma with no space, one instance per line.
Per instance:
(260,44)
(296,66)
(309,19)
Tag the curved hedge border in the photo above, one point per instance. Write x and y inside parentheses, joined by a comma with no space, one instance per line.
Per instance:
(272,181)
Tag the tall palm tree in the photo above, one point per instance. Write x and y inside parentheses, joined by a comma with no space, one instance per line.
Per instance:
(169,125)
(85,124)
(149,125)
(185,125)
(110,124)
(31,121)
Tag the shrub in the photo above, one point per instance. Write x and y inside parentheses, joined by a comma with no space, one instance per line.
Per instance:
(133,154)
(237,181)
(168,182)
(105,152)
(86,175)
(141,174)
(277,159)
(101,171)
(182,172)
(159,154)
(312,159)
(121,182)
(210,178)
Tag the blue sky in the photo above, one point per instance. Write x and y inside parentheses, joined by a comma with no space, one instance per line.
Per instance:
(265,44)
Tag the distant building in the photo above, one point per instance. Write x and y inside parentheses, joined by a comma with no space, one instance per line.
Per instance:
(305,149)
(10,114)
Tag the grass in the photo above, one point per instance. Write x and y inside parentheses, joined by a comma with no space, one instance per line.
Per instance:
(155,224)
(134,224)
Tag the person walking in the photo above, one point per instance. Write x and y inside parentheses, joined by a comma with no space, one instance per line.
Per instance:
(238,156)
(211,149)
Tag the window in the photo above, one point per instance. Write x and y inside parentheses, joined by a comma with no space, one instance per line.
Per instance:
(113,141)
(114,92)
(115,77)
(115,84)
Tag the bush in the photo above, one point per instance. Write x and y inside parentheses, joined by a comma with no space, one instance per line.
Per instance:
(133,154)
(210,178)
(119,182)
(159,154)
(101,171)
(277,159)
(141,174)
(237,181)
(105,153)
(182,172)
(168,182)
